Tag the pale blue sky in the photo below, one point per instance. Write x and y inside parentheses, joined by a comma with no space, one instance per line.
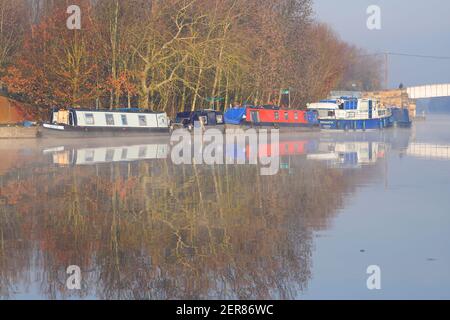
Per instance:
(408,26)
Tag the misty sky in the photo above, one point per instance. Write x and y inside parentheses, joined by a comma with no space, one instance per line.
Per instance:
(408,26)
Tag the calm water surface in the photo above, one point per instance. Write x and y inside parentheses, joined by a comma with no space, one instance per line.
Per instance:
(149,229)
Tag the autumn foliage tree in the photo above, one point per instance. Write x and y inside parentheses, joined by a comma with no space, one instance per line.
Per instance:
(12,27)
(174,55)
(57,66)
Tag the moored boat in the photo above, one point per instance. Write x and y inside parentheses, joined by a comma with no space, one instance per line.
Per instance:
(206,118)
(401,118)
(85,123)
(352,114)
(272,117)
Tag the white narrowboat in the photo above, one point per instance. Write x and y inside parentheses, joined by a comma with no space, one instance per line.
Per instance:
(78,123)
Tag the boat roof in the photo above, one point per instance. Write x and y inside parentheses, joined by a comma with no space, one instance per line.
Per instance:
(121,110)
(324,105)
(265,107)
(189,113)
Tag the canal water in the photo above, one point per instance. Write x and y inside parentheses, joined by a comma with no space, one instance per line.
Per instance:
(140,227)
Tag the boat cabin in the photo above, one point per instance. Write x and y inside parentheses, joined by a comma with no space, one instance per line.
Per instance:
(349,109)
(281,117)
(352,114)
(206,117)
(108,120)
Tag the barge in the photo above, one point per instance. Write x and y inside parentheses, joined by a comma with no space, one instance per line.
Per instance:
(352,114)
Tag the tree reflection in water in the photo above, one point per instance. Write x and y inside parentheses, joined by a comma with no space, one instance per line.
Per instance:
(152,230)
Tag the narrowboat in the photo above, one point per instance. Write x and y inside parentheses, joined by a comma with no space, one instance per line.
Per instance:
(272,116)
(277,117)
(352,114)
(206,118)
(84,123)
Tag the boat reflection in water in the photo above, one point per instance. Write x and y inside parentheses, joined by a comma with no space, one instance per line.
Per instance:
(336,154)
(350,154)
(140,227)
(89,156)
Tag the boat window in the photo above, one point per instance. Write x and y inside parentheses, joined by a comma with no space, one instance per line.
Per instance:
(331,113)
(124,154)
(254,116)
(195,117)
(109,119)
(296,116)
(109,155)
(89,156)
(89,118)
(286,116)
(162,120)
(142,152)
(124,119)
(277,115)
(203,120)
(142,121)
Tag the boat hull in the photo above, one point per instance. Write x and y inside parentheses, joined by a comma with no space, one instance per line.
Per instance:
(363,124)
(284,127)
(68,132)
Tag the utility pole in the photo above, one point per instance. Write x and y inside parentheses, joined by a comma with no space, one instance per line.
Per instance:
(386,70)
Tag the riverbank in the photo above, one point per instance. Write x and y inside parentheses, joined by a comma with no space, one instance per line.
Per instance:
(13,114)
(18,132)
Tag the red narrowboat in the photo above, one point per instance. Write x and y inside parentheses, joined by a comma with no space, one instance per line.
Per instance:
(275,117)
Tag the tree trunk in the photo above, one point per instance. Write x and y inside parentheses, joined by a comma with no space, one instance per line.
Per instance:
(144,98)
(197,88)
